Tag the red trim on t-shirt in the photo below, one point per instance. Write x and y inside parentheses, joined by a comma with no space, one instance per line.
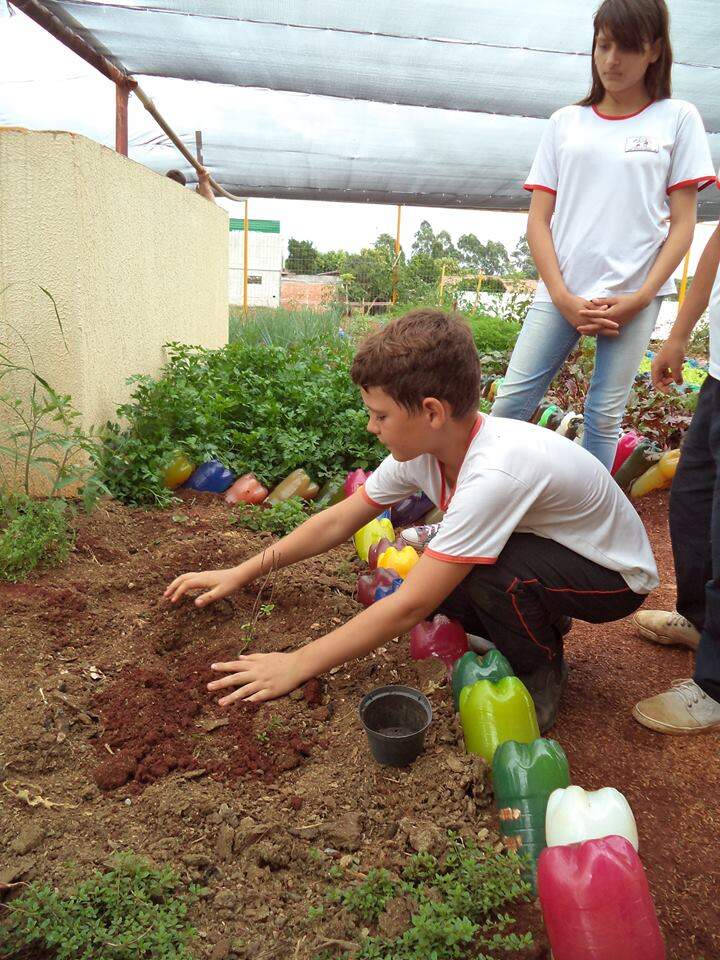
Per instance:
(627,116)
(450,559)
(444,499)
(702,182)
(366,496)
(539,186)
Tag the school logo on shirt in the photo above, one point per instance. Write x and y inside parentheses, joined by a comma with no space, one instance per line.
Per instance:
(642,145)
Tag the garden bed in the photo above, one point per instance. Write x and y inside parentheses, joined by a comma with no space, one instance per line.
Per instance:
(102,685)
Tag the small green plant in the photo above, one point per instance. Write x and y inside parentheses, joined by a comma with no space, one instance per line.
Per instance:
(279,518)
(40,433)
(32,533)
(130,912)
(455,903)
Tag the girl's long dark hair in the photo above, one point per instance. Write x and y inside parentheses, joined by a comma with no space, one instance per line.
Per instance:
(633,23)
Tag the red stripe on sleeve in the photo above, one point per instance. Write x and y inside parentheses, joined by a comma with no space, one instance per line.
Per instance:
(539,186)
(701,182)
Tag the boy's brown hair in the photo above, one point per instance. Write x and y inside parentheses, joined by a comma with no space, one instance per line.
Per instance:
(425,353)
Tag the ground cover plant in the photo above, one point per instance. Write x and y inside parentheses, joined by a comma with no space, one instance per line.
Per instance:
(449,906)
(130,912)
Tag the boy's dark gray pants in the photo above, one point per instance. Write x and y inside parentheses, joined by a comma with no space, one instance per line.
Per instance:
(521,601)
(695,533)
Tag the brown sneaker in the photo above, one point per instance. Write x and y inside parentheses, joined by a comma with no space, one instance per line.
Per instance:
(666,627)
(684,708)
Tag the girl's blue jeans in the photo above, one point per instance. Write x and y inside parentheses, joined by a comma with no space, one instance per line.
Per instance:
(544,343)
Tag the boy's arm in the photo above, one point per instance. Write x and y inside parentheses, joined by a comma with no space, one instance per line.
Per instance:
(668,361)
(316,535)
(264,676)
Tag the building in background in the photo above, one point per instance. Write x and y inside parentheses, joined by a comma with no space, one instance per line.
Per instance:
(265,260)
(309,290)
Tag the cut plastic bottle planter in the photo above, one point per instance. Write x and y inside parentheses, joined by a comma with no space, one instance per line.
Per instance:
(574,815)
(492,713)
(596,902)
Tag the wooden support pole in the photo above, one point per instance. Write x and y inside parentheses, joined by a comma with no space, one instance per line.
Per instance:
(122,93)
(246,245)
(396,260)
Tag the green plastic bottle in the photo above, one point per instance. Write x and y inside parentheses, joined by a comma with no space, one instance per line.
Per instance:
(331,492)
(524,776)
(492,713)
(551,411)
(471,667)
(645,454)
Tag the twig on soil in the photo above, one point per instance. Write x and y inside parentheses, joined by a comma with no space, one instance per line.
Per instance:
(109,749)
(42,694)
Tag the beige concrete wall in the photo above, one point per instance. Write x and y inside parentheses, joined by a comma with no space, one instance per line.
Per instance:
(132,259)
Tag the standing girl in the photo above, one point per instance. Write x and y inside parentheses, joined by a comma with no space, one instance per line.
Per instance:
(608,174)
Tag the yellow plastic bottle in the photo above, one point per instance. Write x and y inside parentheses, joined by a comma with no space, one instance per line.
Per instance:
(492,713)
(658,476)
(401,561)
(370,534)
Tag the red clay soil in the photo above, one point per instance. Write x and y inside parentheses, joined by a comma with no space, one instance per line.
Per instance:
(104,710)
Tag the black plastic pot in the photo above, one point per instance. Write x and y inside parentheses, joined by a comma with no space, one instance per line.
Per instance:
(395,719)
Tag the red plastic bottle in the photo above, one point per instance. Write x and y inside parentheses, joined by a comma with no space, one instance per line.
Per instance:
(626,444)
(596,902)
(354,480)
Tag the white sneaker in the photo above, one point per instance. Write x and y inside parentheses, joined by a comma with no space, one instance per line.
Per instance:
(666,627)
(419,537)
(684,708)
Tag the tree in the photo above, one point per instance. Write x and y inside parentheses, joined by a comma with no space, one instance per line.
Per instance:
(302,257)
(424,239)
(522,259)
(330,261)
(471,251)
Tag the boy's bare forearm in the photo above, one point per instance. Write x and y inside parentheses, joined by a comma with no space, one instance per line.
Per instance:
(316,535)
(698,296)
(367,631)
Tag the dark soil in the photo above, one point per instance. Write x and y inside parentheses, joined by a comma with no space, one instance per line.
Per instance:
(104,711)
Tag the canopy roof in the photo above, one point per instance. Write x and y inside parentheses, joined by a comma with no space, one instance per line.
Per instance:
(432,103)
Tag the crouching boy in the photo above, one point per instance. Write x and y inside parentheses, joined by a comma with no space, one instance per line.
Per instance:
(535,529)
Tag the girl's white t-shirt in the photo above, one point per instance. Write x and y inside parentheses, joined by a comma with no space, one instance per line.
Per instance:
(517,476)
(714,366)
(612,177)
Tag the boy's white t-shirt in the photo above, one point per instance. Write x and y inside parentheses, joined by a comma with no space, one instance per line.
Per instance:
(612,177)
(714,319)
(518,477)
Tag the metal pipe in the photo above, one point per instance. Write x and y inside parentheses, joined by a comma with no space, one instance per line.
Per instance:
(122,92)
(71,39)
(62,32)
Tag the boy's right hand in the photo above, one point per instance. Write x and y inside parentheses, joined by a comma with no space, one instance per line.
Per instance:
(216,583)
(667,365)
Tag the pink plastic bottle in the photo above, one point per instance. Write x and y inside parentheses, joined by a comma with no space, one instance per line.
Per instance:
(626,444)
(596,902)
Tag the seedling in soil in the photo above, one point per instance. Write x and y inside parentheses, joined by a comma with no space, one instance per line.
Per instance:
(259,610)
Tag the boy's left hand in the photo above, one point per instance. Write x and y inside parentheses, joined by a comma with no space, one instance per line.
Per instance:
(258,677)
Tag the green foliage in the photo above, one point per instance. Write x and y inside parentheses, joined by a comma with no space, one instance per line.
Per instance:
(279,518)
(368,899)
(260,409)
(492,334)
(40,433)
(32,533)
(130,912)
(522,259)
(279,327)
(700,339)
(455,905)
(302,256)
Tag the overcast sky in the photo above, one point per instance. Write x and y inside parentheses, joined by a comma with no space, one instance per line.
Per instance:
(43,85)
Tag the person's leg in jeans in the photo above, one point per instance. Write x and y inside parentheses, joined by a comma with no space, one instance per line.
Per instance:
(520,603)
(542,347)
(616,363)
(693,706)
